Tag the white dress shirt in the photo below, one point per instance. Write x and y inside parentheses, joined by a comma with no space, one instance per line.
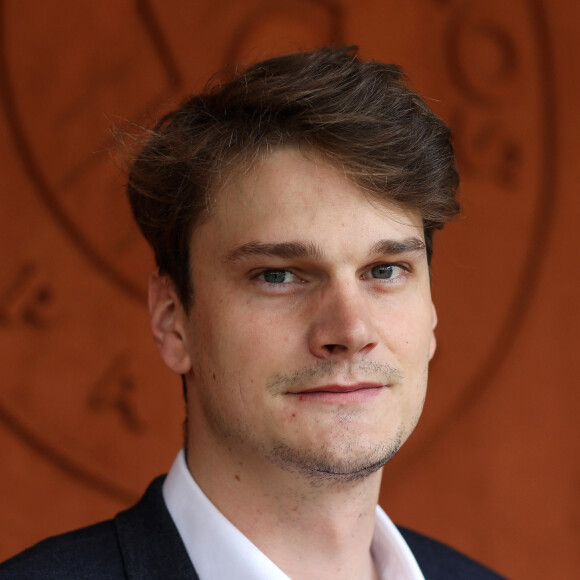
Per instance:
(219,550)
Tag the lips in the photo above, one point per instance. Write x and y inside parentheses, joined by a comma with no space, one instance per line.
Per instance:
(358,392)
(342,388)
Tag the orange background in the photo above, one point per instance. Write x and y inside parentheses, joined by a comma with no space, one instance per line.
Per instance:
(88,415)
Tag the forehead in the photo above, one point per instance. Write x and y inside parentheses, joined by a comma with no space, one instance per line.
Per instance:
(303,189)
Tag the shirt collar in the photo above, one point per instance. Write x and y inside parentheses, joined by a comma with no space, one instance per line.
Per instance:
(219,550)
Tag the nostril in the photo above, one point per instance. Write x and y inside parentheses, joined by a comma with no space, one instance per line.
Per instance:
(334,348)
(366,349)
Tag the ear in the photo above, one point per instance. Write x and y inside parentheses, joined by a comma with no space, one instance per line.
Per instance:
(433,346)
(168,323)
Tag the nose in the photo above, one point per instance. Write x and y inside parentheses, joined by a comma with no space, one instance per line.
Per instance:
(342,324)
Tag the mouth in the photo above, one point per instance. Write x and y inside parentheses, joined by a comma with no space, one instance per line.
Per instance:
(354,393)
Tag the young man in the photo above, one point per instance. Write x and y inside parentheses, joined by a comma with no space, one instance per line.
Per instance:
(291,210)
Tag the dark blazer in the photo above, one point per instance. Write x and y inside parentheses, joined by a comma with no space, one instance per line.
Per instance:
(143,543)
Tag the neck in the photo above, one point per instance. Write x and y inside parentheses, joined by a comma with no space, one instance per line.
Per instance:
(310,528)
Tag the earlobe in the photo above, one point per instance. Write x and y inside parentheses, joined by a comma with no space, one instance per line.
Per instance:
(433,346)
(167,324)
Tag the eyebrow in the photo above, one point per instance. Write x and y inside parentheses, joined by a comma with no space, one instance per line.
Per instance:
(292,250)
(286,250)
(394,247)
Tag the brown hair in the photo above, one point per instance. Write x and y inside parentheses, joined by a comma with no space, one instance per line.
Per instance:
(358,114)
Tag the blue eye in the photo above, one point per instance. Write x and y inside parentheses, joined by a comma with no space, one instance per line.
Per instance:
(277,276)
(386,271)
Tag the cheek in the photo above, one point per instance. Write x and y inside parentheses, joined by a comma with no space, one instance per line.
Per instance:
(258,336)
(412,407)
(410,339)
(243,349)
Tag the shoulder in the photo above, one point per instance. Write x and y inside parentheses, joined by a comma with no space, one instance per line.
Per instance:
(440,562)
(141,543)
(90,553)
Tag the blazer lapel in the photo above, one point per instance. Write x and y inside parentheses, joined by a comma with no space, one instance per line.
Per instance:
(150,543)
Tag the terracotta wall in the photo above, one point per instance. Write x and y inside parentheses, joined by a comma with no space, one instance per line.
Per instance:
(87,413)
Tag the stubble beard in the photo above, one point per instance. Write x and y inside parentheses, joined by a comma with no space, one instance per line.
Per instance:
(340,465)
(344,460)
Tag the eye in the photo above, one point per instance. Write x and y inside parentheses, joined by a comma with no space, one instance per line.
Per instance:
(386,271)
(277,277)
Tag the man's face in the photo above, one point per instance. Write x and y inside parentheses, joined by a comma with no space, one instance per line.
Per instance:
(311,328)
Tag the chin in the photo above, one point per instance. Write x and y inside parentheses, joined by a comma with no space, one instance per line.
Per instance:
(345,462)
